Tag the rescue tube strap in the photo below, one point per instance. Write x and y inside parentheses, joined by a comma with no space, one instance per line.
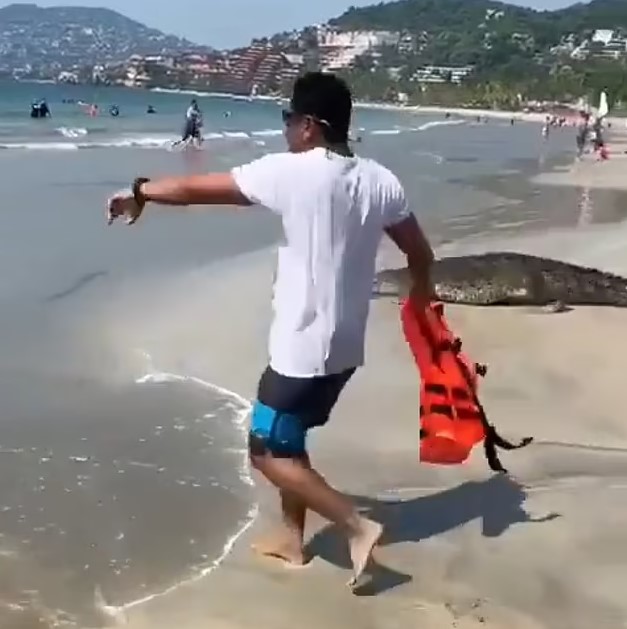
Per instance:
(492,439)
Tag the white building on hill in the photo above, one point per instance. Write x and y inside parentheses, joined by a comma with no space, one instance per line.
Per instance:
(603,36)
(340,49)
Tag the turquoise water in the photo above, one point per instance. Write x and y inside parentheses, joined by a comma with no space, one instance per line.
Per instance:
(225,118)
(440,161)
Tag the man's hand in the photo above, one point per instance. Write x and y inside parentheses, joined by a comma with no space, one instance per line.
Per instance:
(123,204)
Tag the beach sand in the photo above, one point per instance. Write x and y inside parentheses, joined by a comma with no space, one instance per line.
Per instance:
(543,548)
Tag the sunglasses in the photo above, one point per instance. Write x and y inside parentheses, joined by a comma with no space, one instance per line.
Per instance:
(288,116)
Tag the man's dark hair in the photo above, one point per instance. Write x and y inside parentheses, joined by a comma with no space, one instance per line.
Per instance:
(327,98)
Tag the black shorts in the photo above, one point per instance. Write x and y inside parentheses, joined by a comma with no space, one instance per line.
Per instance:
(191,130)
(286,408)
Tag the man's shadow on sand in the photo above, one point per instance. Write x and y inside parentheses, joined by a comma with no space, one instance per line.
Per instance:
(498,502)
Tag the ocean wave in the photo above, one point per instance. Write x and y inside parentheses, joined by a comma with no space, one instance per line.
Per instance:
(41,146)
(141,142)
(267,133)
(71,132)
(236,135)
(84,137)
(439,123)
(146,142)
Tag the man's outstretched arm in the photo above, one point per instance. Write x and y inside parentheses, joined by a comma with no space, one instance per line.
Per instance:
(210,189)
(259,182)
(413,243)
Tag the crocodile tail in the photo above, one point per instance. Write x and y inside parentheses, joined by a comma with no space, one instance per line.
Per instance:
(609,289)
(622,296)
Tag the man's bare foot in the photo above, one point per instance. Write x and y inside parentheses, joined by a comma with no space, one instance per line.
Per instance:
(276,548)
(361,545)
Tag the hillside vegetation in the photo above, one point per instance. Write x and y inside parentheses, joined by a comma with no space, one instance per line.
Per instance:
(514,50)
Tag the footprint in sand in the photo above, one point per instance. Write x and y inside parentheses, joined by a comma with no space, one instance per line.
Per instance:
(466,614)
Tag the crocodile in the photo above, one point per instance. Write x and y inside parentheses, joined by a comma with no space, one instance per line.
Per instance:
(512,279)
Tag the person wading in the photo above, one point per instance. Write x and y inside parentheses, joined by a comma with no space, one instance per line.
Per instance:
(335,208)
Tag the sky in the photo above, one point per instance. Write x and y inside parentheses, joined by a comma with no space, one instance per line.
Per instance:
(230,23)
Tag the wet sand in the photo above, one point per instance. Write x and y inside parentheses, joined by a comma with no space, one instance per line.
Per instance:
(85,472)
(543,548)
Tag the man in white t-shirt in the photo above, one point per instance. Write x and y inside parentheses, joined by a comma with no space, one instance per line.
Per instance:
(335,208)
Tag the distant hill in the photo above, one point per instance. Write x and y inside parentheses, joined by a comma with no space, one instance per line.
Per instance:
(437,15)
(61,37)
(432,16)
(468,31)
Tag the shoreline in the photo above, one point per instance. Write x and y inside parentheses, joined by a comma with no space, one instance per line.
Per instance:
(245,471)
(592,174)
(451,573)
(359,104)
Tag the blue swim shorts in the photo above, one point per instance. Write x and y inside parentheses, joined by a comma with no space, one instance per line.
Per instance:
(287,408)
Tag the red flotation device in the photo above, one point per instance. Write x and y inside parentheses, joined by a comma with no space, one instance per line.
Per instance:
(452,420)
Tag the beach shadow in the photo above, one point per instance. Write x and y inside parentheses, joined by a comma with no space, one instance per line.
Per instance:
(497,502)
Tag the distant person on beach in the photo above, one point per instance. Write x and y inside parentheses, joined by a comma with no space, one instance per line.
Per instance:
(583,131)
(192,132)
(335,208)
(597,134)
(598,140)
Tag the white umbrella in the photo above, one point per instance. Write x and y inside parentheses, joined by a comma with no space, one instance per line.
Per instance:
(603,106)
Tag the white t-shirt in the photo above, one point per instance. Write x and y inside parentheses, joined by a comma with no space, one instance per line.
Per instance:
(334,210)
(193,114)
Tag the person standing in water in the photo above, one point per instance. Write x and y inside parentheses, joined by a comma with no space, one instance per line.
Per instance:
(583,132)
(192,132)
(335,208)
(40,109)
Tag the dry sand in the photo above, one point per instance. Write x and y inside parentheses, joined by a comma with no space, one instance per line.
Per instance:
(544,548)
